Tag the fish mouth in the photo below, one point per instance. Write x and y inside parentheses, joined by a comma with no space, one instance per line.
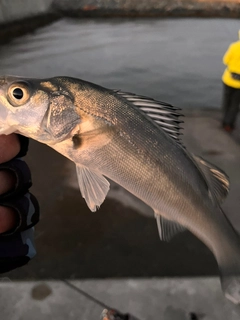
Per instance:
(8,123)
(5,127)
(7,131)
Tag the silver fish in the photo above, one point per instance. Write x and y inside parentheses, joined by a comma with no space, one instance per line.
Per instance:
(134,141)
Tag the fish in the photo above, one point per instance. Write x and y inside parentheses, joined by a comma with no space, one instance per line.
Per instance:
(134,141)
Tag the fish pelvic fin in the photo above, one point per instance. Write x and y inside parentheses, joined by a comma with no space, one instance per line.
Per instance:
(217,180)
(93,186)
(167,229)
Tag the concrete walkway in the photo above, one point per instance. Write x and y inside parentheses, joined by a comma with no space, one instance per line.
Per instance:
(204,136)
(145,299)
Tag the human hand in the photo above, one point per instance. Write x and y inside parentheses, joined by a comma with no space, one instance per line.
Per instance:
(9,148)
(19,209)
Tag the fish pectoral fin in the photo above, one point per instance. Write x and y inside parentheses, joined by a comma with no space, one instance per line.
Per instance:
(217,180)
(167,229)
(93,186)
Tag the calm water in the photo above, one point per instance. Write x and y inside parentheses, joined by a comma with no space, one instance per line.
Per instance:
(174,60)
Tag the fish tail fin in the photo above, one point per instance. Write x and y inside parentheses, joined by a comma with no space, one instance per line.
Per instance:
(231,286)
(230,275)
(226,250)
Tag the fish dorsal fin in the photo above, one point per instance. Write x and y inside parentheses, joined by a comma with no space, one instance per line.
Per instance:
(93,186)
(167,229)
(164,115)
(217,180)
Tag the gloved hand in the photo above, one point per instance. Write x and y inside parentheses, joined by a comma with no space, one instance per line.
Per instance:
(19,209)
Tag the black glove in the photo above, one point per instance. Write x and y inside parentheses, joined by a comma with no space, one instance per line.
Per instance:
(17,245)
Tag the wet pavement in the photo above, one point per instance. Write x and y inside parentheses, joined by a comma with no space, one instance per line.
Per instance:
(116,241)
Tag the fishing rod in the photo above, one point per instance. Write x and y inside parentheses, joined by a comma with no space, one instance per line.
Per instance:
(108,313)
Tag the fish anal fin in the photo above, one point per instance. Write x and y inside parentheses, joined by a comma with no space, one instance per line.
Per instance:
(217,180)
(167,229)
(93,186)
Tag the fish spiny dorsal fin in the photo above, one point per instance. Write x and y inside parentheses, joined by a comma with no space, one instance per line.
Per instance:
(165,115)
(217,180)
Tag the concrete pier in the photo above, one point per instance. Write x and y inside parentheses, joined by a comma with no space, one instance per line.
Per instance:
(14,10)
(150,8)
(18,17)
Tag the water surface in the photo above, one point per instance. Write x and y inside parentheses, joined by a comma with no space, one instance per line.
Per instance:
(174,60)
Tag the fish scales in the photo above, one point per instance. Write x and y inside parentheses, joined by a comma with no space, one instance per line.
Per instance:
(160,181)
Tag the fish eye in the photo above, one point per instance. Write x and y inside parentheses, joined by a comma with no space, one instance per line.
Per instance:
(18,94)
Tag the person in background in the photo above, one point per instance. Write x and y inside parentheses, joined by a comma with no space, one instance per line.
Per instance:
(19,209)
(231,85)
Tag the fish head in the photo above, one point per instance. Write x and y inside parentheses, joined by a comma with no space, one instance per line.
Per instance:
(39,109)
(22,106)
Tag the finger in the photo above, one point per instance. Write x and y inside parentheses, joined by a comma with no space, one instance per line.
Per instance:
(9,147)
(8,219)
(27,211)
(8,216)
(17,250)
(8,181)
(20,170)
